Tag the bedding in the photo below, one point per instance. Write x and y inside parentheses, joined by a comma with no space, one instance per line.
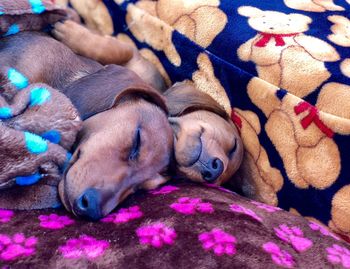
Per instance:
(38,124)
(182,225)
(280,68)
(176,226)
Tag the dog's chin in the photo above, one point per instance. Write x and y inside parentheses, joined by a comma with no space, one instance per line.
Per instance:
(62,195)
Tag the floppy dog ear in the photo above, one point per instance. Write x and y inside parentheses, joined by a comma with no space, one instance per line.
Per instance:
(183,98)
(145,92)
(106,88)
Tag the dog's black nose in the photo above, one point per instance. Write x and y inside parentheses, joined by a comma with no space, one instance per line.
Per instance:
(213,170)
(88,205)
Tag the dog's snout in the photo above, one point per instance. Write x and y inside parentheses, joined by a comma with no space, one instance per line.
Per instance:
(213,170)
(88,205)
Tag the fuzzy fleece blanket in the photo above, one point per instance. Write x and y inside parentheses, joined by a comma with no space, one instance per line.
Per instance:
(280,68)
(38,124)
(176,226)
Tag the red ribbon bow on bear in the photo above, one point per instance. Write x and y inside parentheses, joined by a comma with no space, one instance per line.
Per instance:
(312,117)
(266,37)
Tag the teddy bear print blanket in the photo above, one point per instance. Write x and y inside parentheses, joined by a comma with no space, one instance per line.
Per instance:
(280,68)
(38,124)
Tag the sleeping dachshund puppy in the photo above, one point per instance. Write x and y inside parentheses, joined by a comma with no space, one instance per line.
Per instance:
(126,141)
(207,145)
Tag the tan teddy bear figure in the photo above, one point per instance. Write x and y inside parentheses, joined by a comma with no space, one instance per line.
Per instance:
(95,14)
(313,5)
(255,178)
(283,55)
(340,30)
(334,98)
(153,22)
(205,80)
(301,135)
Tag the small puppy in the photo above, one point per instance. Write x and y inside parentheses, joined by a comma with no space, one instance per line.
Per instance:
(126,140)
(207,145)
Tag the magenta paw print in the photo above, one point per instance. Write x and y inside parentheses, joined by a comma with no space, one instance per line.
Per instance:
(164,190)
(16,247)
(323,230)
(294,236)
(190,206)
(5,215)
(268,208)
(124,215)
(246,211)
(218,241)
(279,257)
(54,221)
(156,235)
(339,255)
(83,247)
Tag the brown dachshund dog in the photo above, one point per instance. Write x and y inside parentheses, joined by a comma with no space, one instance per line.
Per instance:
(126,140)
(207,145)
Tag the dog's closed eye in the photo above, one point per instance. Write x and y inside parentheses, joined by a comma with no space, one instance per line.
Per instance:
(136,145)
(233,149)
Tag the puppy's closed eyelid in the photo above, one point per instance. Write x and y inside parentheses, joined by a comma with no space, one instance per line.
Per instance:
(78,154)
(136,145)
(233,149)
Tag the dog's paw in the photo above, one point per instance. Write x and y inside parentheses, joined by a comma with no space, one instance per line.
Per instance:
(70,33)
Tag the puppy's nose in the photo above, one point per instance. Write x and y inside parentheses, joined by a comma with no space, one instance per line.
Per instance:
(213,170)
(88,205)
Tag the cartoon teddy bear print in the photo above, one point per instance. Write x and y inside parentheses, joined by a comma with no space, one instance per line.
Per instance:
(151,22)
(256,178)
(301,135)
(205,80)
(334,97)
(340,30)
(283,54)
(95,15)
(313,5)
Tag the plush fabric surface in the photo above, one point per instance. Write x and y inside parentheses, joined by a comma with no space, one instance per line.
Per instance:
(38,124)
(176,226)
(284,66)
(28,15)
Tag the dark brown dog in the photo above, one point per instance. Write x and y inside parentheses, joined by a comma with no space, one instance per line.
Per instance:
(207,145)
(126,141)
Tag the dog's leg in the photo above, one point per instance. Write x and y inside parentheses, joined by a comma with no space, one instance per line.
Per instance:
(107,50)
(104,49)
